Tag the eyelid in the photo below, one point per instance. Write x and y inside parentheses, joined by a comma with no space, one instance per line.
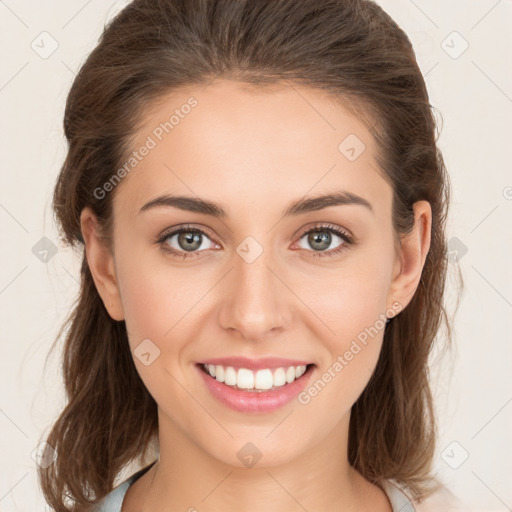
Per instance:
(319,226)
(187,227)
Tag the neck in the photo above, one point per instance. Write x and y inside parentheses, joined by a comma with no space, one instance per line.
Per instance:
(186,477)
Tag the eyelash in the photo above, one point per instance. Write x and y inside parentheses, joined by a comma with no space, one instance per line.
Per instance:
(348,240)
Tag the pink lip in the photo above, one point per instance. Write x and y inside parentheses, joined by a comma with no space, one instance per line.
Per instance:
(255,364)
(255,401)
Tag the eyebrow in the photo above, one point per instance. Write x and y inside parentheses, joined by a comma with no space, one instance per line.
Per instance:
(304,205)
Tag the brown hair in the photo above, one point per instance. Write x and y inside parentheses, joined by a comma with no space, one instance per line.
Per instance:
(350,49)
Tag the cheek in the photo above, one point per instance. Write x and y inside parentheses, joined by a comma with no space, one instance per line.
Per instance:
(352,309)
(144,305)
(160,304)
(154,295)
(148,297)
(153,304)
(356,315)
(350,299)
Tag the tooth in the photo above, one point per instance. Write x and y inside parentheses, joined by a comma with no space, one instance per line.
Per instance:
(219,373)
(290,374)
(245,379)
(279,377)
(263,379)
(230,376)
(299,370)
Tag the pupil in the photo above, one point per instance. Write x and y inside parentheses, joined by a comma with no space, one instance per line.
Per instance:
(192,239)
(320,240)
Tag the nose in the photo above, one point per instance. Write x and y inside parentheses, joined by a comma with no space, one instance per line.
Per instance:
(255,301)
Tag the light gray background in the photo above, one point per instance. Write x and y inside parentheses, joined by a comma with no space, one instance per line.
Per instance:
(473,92)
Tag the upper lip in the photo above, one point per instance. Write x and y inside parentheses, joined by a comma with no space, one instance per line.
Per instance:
(255,364)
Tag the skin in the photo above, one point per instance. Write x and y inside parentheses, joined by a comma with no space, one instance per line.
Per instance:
(254,152)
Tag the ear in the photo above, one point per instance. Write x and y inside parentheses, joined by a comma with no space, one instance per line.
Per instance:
(411,258)
(101,265)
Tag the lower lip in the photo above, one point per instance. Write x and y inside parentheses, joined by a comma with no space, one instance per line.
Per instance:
(255,401)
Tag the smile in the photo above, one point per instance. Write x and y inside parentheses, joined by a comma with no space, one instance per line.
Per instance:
(258,390)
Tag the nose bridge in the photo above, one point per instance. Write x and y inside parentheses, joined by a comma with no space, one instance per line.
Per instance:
(255,301)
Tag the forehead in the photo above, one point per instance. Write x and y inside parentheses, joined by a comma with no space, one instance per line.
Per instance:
(241,146)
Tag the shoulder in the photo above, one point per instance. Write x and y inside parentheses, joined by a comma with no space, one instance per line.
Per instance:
(113,501)
(440,500)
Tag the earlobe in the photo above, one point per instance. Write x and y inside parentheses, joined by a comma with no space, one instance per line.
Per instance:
(413,252)
(101,264)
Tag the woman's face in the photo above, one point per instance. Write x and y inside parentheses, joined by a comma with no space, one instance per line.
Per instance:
(256,282)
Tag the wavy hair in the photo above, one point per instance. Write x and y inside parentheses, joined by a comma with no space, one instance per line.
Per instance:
(349,49)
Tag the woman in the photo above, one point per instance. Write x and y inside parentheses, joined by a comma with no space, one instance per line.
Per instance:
(262,206)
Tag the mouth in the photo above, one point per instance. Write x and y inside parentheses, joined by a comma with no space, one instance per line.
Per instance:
(260,390)
(255,381)
(264,380)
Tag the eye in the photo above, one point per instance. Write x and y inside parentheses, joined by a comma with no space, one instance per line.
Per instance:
(185,241)
(321,237)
